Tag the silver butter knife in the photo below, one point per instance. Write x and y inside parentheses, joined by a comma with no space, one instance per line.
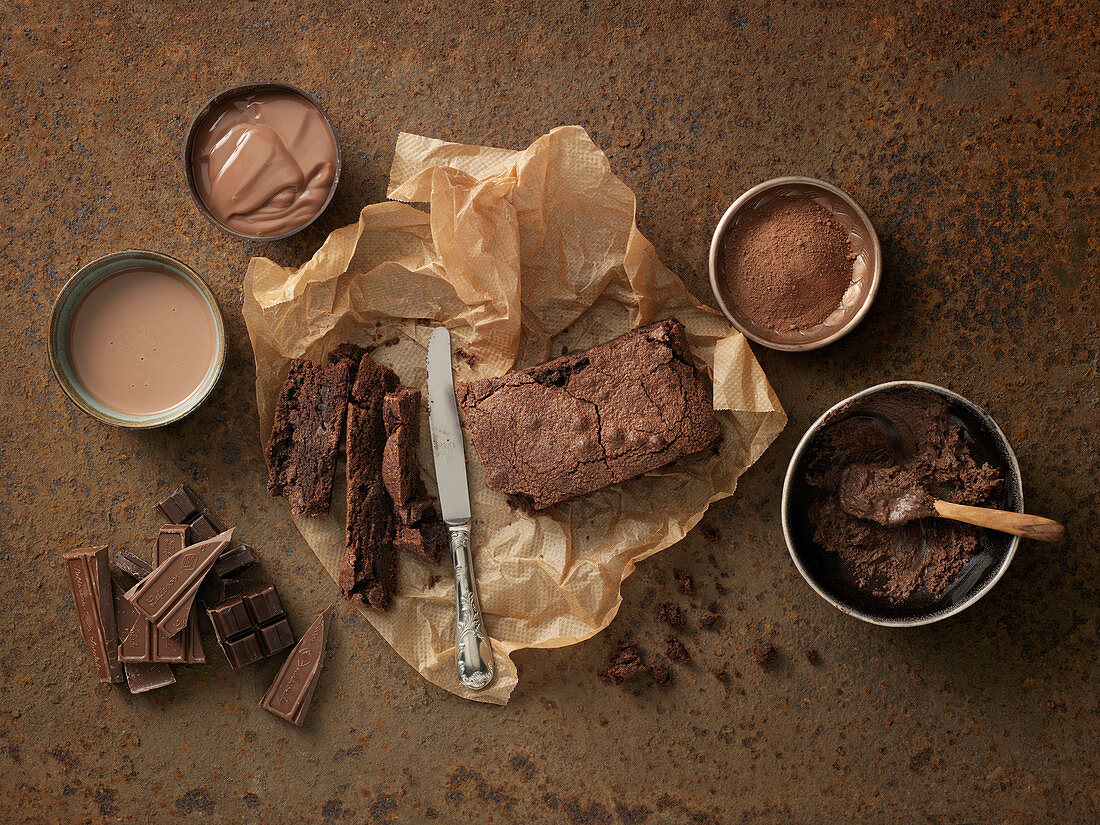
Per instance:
(473,654)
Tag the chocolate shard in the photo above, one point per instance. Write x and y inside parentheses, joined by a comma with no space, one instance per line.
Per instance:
(234,560)
(132,564)
(145,676)
(290,694)
(90,580)
(305,441)
(368,571)
(165,596)
(186,648)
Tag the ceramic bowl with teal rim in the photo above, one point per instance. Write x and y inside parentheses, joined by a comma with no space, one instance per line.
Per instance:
(62,336)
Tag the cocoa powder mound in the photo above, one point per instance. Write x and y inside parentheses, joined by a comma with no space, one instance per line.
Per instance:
(787,264)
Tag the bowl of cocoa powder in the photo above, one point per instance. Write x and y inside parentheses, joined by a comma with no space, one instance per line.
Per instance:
(795,263)
(927,568)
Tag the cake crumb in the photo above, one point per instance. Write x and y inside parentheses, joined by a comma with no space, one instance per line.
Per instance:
(433,581)
(707,621)
(687,584)
(811,655)
(710,534)
(662,673)
(721,675)
(624,663)
(675,650)
(765,653)
(670,614)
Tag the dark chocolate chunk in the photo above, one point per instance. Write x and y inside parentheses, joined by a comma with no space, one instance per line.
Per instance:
(590,419)
(292,691)
(90,581)
(234,560)
(251,625)
(368,572)
(203,528)
(132,564)
(165,596)
(184,506)
(305,441)
(145,676)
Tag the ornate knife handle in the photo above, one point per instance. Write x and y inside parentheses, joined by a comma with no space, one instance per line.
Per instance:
(473,654)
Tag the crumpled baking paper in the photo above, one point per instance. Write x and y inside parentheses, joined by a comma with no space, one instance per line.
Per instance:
(523,255)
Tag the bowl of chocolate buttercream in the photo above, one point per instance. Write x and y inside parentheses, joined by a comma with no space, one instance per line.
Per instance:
(795,263)
(262,161)
(899,565)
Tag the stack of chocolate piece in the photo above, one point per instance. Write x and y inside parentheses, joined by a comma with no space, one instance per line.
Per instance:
(387,507)
(139,633)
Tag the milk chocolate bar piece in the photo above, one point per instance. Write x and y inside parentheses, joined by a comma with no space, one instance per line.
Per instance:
(145,676)
(183,506)
(251,626)
(132,564)
(290,694)
(171,539)
(165,596)
(234,560)
(90,580)
(309,423)
(139,639)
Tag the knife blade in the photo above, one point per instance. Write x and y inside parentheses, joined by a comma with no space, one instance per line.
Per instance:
(447,448)
(473,653)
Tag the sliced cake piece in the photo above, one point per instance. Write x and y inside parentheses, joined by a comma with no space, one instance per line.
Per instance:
(368,572)
(309,422)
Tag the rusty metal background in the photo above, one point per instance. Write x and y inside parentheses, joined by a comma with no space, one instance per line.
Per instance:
(968,131)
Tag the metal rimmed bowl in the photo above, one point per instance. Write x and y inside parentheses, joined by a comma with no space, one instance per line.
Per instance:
(241,91)
(61,324)
(866,266)
(822,570)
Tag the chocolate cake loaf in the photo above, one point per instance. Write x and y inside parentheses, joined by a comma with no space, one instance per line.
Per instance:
(590,419)
(309,422)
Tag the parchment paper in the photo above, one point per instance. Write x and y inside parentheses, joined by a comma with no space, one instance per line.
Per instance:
(521,254)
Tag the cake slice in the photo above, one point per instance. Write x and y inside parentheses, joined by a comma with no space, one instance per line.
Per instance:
(589,419)
(309,422)
(368,572)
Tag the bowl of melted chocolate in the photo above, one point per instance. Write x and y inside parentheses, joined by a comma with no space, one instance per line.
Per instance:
(262,161)
(795,263)
(856,503)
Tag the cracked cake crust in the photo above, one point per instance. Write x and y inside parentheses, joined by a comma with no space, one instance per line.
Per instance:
(589,419)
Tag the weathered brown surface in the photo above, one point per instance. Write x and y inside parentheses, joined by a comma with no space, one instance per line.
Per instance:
(969,134)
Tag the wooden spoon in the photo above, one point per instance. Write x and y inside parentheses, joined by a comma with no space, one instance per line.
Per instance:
(1006,521)
(885,495)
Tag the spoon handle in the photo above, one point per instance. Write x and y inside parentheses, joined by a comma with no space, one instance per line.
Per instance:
(1018,524)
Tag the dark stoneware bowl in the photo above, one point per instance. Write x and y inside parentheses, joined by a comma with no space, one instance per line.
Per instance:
(822,569)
